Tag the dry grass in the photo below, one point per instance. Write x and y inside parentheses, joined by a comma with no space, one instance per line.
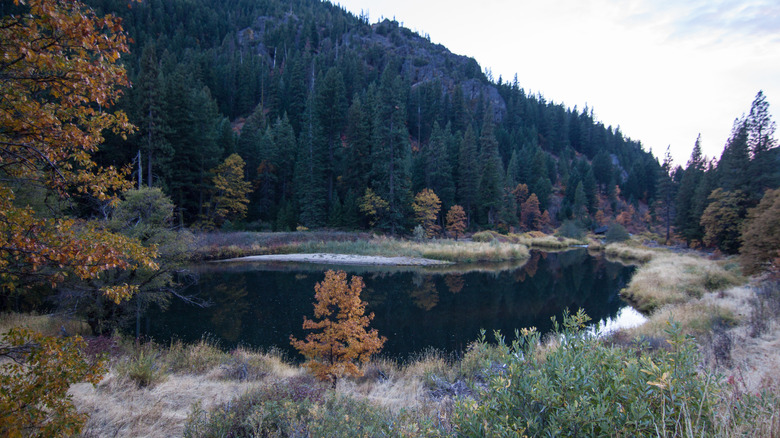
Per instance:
(439,249)
(628,252)
(49,325)
(676,279)
(117,407)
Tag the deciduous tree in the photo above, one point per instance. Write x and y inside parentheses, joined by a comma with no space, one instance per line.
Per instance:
(723,218)
(59,73)
(373,206)
(343,337)
(229,192)
(426,211)
(761,235)
(456,221)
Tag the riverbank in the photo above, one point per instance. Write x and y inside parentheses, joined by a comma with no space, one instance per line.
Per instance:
(200,390)
(339,259)
(223,246)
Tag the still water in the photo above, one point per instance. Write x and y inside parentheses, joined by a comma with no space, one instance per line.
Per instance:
(261,305)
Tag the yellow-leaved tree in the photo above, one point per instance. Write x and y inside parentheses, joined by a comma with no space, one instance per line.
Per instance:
(59,72)
(229,192)
(426,211)
(343,338)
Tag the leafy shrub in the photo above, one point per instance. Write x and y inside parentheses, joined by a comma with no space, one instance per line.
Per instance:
(484,236)
(584,388)
(616,233)
(571,229)
(143,368)
(35,374)
(419,233)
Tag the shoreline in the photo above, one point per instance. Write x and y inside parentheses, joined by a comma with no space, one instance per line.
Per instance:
(340,259)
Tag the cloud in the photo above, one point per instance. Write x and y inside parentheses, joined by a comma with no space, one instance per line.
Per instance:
(713,21)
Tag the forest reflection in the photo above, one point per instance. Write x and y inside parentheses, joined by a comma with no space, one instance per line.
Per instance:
(261,305)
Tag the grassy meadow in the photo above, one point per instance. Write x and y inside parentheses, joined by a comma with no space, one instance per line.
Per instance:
(706,363)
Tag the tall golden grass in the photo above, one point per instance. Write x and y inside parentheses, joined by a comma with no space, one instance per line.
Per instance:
(675,279)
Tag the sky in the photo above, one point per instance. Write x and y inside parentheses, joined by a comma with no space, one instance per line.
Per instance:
(664,71)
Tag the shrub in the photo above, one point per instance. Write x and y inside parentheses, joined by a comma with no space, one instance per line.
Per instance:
(571,229)
(585,388)
(143,368)
(616,233)
(484,236)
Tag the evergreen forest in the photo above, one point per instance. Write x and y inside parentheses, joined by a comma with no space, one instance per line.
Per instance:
(328,111)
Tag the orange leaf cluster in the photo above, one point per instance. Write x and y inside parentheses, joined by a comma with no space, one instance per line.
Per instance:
(342,338)
(34,385)
(60,70)
(456,221)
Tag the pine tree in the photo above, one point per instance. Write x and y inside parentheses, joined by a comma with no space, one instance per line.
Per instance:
(687,220)
(764,169)
(151,124)
(667,193)
(437,170)
(734,164)
(331,108)
(391,151)
(491,171)
(310,180)
(357,156)
(468,173)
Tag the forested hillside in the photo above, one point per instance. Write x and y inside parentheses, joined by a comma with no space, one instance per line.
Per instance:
(321,106)
(339,123)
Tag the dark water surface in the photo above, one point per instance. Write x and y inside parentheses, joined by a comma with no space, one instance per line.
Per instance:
(261,305)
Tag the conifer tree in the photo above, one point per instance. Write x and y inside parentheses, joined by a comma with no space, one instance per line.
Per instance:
(468,173)
(667,194)
(309,179)
(331,108)
(357,156)
(391,151)
(151,123)
(437,170)
(688,217)
(491,171)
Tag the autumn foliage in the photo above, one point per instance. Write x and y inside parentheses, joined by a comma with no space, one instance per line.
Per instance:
(456,221)
(426,211)
(761,235)
(229,196)
(35,374)
(342,336)
(60,72)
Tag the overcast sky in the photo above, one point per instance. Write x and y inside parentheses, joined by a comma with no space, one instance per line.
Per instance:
(662,70)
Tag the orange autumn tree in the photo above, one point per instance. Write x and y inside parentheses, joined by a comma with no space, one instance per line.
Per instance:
(456,221)
(343,337)
(59,72)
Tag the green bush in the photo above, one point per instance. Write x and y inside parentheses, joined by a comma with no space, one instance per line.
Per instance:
(616,233)
(143,368)
(484,236)
(585,388)
(571,229)
(304,407)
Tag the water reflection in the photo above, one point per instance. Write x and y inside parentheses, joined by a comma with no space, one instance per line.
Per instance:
(261,305)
